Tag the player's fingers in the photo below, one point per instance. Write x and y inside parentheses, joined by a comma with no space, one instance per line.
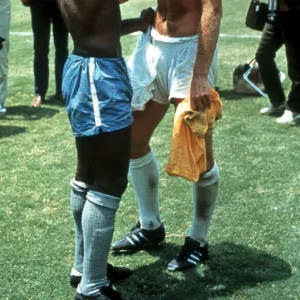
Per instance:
(192,104)
(199,106)
(207,97)
(205,100)
(195,104)
(143,12)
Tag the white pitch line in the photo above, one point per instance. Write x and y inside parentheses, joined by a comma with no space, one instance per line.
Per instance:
(222,35)
(21,33)
(240,36)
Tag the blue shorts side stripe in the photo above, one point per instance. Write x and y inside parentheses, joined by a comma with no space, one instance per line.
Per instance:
(94,92)
(97,94)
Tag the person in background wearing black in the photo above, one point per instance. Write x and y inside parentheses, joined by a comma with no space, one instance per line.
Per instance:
(271,42)
(289,21)
(283,30)
(43,13)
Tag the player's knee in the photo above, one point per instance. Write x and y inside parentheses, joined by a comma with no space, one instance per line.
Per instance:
(111,186)
(139,148)
(140,140)
(206,190)
(79,190)
(121,185)
(84,174)
(176,102)
(210,177)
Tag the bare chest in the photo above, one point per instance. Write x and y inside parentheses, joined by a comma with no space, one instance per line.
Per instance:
(172,10)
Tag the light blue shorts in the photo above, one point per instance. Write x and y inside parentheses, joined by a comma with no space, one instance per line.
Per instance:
(97,94)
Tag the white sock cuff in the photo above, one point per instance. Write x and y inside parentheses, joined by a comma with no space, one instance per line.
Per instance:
(142,161)
(210,177)
(104,200)
(74,272)
(80,186)
(92,290)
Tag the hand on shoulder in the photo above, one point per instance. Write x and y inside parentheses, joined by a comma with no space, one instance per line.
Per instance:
(147,17)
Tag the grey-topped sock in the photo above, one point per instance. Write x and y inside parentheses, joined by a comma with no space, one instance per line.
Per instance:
(78,198)
(98,226)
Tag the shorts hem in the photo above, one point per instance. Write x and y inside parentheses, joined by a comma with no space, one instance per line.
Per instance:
(98,130)
(141,107)
(177,96)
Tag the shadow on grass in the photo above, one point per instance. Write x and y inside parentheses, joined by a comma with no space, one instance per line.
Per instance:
(28,113)
(231,95)
(295,125)
(231,267)
(54,100)
(6,131)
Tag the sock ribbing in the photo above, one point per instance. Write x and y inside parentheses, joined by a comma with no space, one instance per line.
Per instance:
(77,200)
(98,226)
(104,200)
(144,173)
(205,193)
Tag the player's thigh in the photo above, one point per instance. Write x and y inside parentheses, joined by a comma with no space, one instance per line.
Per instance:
(143,127)
(209,147)
(176,101)
(84,171)
(109,155)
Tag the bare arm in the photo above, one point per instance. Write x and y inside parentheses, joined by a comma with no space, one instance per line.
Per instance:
(26,2)
(209,28)
(138,24)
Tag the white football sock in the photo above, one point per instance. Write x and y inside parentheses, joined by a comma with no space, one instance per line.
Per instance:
(144,173)
(75,272)
(98,219)
(205,193)
(78,197)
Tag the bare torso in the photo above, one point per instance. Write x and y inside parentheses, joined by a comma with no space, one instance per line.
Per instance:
(94,26)
(178,17)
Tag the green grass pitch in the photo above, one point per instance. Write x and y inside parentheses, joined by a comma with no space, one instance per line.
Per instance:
(255,232)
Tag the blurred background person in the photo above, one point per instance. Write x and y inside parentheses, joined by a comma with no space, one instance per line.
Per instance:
(4,47)
(289,22)
(282,28)
(43,14)
(270,43)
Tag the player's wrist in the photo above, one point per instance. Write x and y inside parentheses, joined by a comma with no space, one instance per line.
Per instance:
(143,24)
(202,76)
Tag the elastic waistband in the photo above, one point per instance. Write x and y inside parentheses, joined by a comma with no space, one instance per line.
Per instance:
(168,39)
(75,55)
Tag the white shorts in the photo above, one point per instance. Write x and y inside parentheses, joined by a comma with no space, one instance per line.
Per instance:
(161,68)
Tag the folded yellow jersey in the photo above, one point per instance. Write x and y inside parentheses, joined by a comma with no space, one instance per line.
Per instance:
(187,157)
